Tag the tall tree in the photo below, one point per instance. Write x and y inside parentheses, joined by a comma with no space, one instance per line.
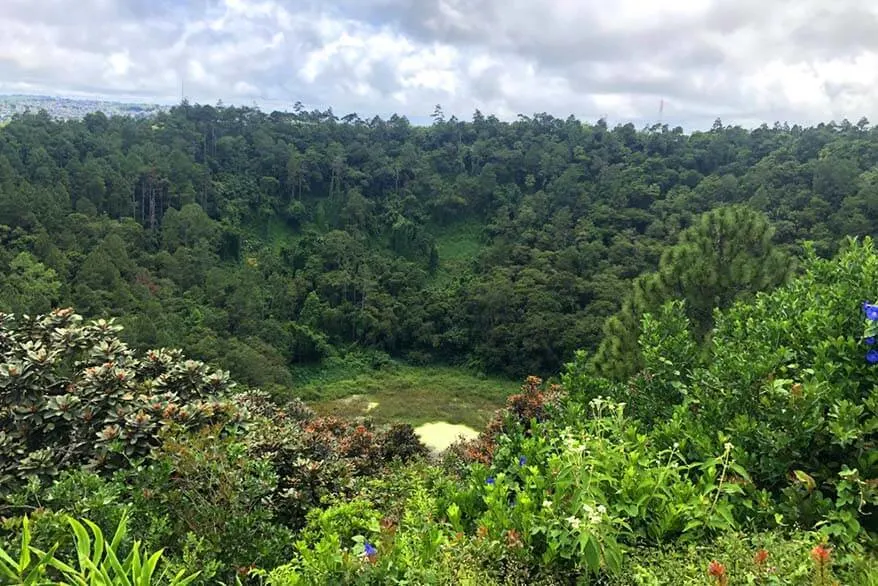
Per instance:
(726,256)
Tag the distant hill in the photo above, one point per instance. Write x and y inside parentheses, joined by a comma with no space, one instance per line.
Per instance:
(73,108)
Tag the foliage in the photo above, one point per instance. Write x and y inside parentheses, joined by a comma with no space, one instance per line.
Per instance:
(734,417)
(266,242)
(582,484)
(216,479)
(759,558)
(727,255)
(74,394)
(522,411)
(585,494)
(784,377)
(97,561)
(207,501)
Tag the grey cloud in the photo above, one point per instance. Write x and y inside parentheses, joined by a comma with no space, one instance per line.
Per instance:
(383,78)
(847,32)
(486,85)
(701,62)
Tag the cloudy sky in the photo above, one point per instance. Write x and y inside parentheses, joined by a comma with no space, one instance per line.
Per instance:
(745,61)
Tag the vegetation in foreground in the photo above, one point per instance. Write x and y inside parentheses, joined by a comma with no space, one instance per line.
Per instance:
(746,456)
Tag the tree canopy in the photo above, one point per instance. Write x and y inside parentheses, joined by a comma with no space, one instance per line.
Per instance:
(263,241)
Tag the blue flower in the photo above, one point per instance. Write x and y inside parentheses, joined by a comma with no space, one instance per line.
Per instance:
(872,356)
(871,311)
(522,460)
(490,480)
(870,340)
(369,549)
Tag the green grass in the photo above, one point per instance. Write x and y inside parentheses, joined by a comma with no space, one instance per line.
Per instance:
(409,394)
(279,233)
(458,245)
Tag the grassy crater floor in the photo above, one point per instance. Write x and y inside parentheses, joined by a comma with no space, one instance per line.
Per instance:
(410,394)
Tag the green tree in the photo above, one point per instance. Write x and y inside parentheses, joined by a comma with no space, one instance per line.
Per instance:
(727,255)
(29,286)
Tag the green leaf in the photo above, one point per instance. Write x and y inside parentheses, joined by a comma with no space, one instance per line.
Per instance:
(7,560)
(805,479)
(7,569)
(180,581)
(113,561)
(59,565)
(83,542)
(592,554)
(121,530)
(613,556)
(149,568)
(39,567)
(98,553)
(24,555)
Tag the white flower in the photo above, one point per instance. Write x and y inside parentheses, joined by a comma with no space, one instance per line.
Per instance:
(574,447)
(574,522)
(676,445)
(547,504)
(594,515)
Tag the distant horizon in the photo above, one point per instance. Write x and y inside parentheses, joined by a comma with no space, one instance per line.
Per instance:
(268,106)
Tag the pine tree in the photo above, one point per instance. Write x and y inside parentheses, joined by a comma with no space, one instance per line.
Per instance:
(727,255)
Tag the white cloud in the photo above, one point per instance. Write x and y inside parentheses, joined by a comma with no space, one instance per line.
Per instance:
(743,60)
(119,64)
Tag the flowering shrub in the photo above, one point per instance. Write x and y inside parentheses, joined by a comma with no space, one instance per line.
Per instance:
(761,559)
(784,377)
(523,410)
(568,494)
(870,331)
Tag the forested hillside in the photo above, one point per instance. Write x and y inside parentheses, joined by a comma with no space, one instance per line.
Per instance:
(265,241)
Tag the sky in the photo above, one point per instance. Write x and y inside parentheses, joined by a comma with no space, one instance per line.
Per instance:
(683,62)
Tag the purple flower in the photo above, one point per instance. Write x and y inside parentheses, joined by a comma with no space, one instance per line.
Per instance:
(490,480)
(369,549)
(522,460)
(871,311)
(869,341)
(872,356)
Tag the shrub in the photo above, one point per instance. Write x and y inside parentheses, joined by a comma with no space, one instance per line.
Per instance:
(204,498)
(787,378)
(73,394)
(97,561)
(522,411)
(765,558)
(578,487)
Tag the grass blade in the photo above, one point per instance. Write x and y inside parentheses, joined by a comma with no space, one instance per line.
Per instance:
(98,553)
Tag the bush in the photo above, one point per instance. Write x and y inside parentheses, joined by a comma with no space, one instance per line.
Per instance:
(74,395)
(97,561)
(784,378)
(205,498)
(759,558)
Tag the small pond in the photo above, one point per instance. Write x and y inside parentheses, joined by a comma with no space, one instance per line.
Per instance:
(438,435)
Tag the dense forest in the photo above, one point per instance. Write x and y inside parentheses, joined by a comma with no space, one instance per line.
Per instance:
(263,242)
(696,316)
